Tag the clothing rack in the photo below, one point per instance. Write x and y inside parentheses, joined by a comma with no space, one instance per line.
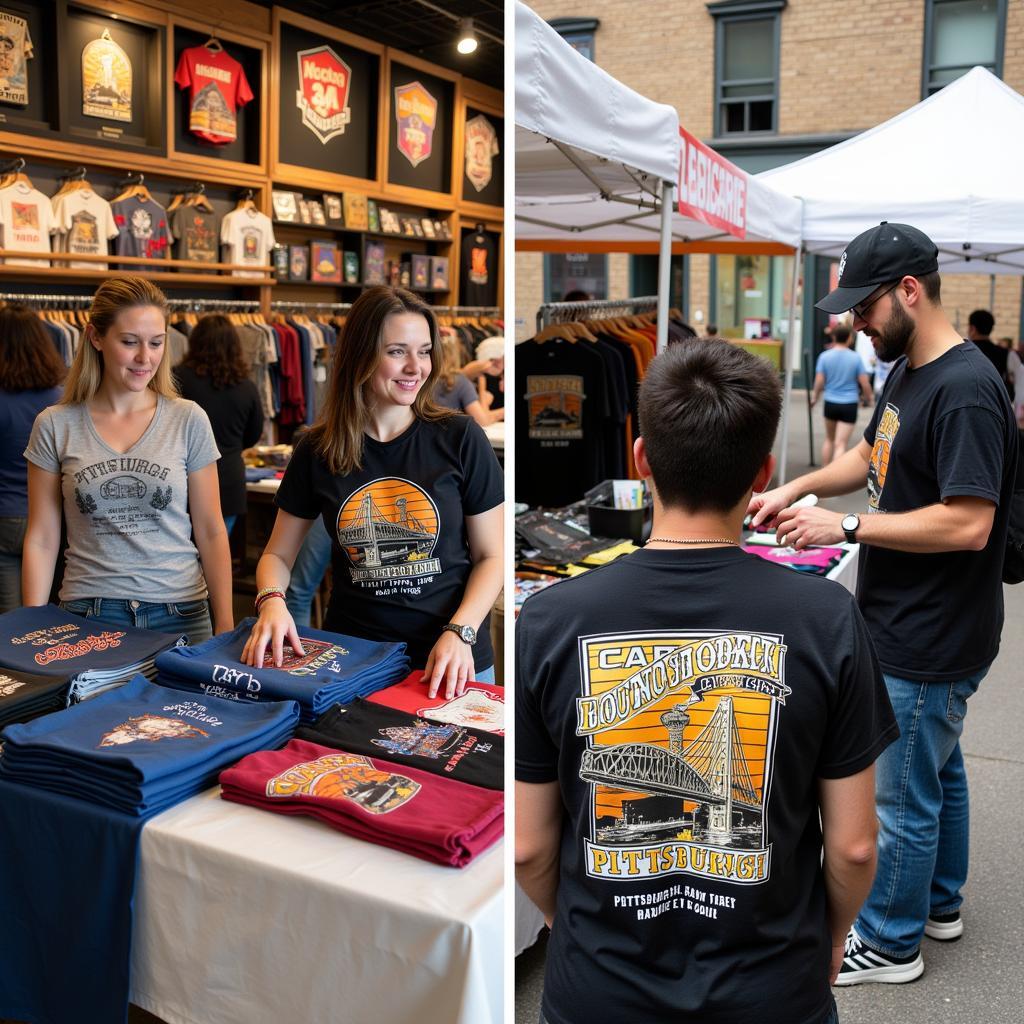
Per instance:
(592,309)
(467,310)
(216,305)
(53,300)
(280,305)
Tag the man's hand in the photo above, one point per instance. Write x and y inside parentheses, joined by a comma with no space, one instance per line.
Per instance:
(804,527)
(764,507)
(838,952)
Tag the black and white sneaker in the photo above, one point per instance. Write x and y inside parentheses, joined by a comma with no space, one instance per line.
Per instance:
(863,964)
(944,927)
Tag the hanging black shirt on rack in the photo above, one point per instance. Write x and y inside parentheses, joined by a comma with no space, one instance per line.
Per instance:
(561,407)
(478,282)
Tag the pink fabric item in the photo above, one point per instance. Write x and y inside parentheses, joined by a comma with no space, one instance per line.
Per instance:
(822,557)
(437,819)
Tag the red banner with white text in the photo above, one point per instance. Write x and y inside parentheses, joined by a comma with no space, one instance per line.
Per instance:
(711,189)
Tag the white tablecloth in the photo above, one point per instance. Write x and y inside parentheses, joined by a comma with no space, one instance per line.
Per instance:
(246,916)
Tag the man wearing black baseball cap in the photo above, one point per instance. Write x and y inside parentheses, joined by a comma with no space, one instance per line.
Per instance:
(939,457)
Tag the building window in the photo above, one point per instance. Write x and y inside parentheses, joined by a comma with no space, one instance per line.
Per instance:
(578,33)
(960,35)
(746,65)
(572,273)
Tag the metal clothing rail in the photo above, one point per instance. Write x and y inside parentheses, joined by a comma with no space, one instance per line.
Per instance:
(25,297)
(591,309)
(281,304)
(467,310)
(227,305)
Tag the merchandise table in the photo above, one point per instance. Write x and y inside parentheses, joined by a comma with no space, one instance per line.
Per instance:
(242,915)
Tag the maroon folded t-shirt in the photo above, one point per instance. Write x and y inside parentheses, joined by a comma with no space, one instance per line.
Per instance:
(480,707)
(438,819)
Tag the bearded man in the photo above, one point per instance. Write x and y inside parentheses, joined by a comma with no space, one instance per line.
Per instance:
(939,456)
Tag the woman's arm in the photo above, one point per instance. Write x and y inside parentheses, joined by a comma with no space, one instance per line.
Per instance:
(42,536)
(819,386)
(483,416)
(451,660)
(275,622)
(212,541)
(865,388)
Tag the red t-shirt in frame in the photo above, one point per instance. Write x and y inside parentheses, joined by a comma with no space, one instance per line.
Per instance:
(219,88)
(481,706)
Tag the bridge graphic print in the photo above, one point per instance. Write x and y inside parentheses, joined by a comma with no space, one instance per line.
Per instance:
(388,523)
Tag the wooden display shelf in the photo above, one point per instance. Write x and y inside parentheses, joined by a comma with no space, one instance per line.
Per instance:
(70,276)
(129,261)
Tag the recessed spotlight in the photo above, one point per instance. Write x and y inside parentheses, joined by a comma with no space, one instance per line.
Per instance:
(467,37)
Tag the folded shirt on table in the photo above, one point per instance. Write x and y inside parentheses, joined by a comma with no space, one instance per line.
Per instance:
(817,561)
(24,695)
(141,748)
(482,706)
(441,748)
(334,669)
(440,820)
(96,657)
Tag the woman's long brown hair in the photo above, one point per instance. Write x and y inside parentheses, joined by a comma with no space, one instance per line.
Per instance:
(28,359)
(339,433)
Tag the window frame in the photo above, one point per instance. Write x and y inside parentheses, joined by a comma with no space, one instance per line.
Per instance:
(578,29)
(927,68)
(727,12)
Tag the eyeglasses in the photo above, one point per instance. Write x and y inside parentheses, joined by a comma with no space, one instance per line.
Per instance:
(859,310)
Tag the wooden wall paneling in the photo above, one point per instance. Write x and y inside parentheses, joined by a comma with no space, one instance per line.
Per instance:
(262,93)
(252,20)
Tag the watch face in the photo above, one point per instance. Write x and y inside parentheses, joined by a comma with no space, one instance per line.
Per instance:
(468,633)
(850,522)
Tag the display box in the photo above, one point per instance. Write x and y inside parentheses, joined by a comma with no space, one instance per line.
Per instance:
(280,262)
(298,262)
(420,266)
(356,213)
(606,520)
(373,263)
(333,210)
(350,263)
(439,272)
(325,262)
(286,206)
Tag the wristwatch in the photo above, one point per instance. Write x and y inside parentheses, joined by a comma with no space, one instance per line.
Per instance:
(467,634)
(850,525)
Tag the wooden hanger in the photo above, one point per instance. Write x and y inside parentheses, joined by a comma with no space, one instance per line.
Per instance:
(135,188)
(555,332)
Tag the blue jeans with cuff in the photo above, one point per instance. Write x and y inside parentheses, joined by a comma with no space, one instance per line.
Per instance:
(191,618)
(921,793)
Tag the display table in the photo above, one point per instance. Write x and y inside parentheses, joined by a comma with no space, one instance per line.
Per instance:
(242,915)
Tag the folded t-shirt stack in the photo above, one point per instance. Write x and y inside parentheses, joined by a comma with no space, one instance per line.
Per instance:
(816,561)
(47,641)
(440,820)
(141,748)
(441,748)
(333,669)
(482,706)
(24,695)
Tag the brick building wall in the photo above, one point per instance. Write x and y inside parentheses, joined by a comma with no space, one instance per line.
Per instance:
(842,67)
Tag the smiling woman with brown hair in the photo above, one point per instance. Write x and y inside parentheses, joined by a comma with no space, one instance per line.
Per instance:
(411,495)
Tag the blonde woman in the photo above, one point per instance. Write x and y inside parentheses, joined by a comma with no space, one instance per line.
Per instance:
(133,467)
(454,391)
(411,496)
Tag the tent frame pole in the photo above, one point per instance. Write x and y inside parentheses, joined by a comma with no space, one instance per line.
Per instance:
(788,349)
(664,265)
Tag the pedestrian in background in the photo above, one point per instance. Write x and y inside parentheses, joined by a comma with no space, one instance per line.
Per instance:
(841,375)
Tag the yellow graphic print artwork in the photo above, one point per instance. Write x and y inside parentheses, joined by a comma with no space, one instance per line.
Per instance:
(345,777)
(680,729)
(878,466)
(388,530)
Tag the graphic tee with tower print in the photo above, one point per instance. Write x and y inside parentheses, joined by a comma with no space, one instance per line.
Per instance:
(400,556)
(687,726)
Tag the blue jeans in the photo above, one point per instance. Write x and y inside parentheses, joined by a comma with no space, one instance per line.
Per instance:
(485,675)
(229,523)
(310,565)
(12,537)
(832,1017)
(921,793)
(191,618)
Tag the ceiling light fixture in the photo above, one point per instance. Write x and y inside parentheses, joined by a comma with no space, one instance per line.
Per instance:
(467,43)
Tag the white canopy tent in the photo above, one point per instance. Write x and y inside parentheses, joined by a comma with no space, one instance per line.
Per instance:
(594,160)
(951,165)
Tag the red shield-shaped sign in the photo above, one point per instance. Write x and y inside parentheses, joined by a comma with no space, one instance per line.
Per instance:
(416,112)
(322,96)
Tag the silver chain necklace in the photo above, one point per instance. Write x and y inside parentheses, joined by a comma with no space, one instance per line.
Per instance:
(693,540)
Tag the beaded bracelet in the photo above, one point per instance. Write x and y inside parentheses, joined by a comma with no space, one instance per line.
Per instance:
(265,595)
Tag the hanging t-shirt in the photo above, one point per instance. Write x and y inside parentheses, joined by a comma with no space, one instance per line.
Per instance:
(196,232)
(479,277)
(219,88)
(26,218)
(84,222)
(143,230)
(249,237)
(687,724)
(481,706)
(441,748)
(128,524)
(561,408)
(400,555)
(15,52)
(941,430)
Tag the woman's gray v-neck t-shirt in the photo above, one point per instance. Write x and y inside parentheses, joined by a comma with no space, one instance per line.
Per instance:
(128,525)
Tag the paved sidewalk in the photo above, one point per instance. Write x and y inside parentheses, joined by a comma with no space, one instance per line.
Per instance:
(978,979)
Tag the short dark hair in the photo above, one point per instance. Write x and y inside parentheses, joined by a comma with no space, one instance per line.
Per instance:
(708,415)
(712,329)
(932,285)
(982,321)
(841,333)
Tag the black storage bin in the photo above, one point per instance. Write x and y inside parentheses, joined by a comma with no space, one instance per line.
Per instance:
(608,521)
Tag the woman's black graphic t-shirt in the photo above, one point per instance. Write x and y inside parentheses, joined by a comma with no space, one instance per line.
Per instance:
(401,553)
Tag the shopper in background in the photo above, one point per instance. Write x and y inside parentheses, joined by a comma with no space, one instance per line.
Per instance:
(711,334)
(979,330)
(30,377)
(132,465)
(841,375)
(658,908)
(1015,379)
(491,383)
(940,458)
(214,376)
(455,392)
(410,493)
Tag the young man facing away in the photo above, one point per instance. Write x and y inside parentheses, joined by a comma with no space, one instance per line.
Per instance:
(940,458)
(683,717)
